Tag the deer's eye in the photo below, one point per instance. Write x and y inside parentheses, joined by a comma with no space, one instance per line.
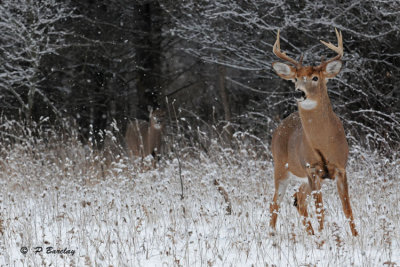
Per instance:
(315,78)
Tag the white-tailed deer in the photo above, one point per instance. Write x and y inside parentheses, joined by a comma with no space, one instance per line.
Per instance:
(310,143)
(143,138)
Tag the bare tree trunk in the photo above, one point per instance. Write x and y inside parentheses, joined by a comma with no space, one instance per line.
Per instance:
(31,96)
(148,55)
(225,102)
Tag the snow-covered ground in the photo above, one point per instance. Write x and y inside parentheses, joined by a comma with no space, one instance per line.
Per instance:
(117,215)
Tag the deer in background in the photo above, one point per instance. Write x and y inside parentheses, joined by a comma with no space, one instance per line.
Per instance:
(143,138)
(311,143)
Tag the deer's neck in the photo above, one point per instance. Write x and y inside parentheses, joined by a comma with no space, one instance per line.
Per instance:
(154,130)
(318,120)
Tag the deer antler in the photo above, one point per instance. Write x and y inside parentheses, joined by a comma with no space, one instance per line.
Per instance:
(338,49)
(277,51)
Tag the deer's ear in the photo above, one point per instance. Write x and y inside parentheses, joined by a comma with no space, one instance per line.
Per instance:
(332,68)
(284,71)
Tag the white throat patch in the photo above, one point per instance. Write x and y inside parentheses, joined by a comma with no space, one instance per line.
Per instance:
(308,104)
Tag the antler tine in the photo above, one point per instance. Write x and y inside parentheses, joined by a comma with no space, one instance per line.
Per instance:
(300,60)
(282,55)
(338,49)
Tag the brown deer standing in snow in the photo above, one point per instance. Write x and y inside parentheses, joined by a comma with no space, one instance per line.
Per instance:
(311,143)
(143,138)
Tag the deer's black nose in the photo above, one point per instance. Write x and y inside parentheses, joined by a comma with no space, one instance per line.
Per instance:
(299,94)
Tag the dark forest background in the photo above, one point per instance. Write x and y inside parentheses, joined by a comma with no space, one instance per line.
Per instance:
(97,64)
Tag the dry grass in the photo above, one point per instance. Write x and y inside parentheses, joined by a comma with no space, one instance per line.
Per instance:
(113,214)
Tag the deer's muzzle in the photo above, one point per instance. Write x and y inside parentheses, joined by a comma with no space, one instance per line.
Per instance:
(299,95)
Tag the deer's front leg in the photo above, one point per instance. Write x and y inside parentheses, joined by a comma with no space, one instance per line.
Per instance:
(319,206)
(300,203)
(314,180)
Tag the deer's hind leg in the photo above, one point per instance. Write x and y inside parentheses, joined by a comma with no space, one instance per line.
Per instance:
(343,190)
(281,181)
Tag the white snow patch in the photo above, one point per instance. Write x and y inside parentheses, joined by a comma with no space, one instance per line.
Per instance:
(129,217)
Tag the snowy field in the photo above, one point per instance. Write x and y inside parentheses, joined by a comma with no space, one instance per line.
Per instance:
(101,214)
